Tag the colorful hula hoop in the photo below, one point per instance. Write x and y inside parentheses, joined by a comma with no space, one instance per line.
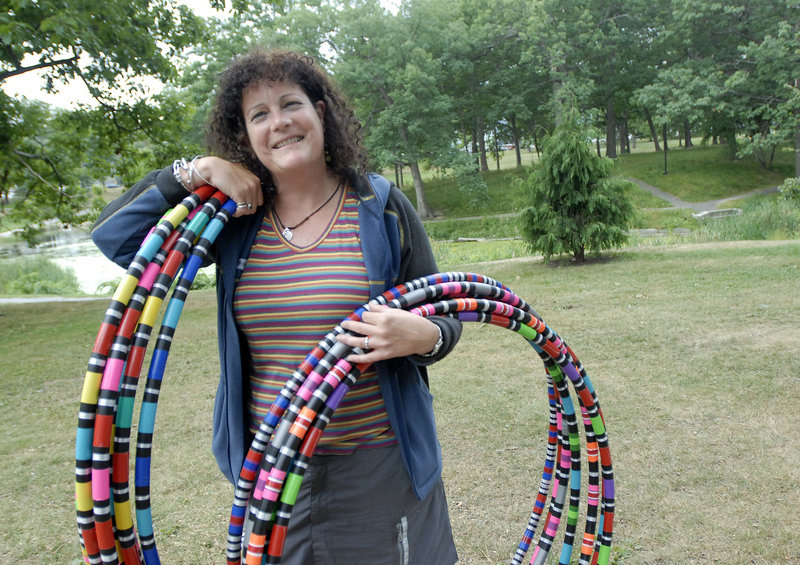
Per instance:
(280,452)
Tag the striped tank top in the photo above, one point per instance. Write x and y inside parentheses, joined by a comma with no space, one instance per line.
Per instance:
(287,300)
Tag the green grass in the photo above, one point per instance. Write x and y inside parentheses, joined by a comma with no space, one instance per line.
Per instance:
(691,349)
(641,199)
(699,174)
(705,173)
(762,218)
(664,219)
(445,199)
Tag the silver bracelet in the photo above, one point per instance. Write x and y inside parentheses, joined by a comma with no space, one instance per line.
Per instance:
(193,170)
(439,343)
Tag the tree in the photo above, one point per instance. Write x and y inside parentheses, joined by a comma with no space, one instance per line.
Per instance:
(390,67)
(575,204)
(726,70)
(53,155)
(767,91)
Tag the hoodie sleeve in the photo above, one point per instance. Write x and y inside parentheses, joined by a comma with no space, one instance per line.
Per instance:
(124,223)
(417,261)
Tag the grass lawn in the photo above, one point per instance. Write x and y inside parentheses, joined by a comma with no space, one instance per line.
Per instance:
(696,175)
(705,173)
(692,350)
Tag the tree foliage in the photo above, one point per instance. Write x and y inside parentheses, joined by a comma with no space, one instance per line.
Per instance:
(437,85)
(51,156)
(575,205)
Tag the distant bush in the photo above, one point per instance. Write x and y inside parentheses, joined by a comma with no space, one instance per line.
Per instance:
(790,189)
(764,218)
(203,281)
(108,287)
(492,227)
(574,204)
(36,275)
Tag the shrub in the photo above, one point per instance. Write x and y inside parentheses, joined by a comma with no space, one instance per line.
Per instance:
(574,203)
(764,218)
(790,189)
(36,275)
(203,281)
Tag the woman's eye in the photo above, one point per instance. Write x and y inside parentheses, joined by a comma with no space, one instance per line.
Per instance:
(258,116)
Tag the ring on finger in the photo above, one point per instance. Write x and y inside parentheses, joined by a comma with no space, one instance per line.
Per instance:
(366,342)
(244,205)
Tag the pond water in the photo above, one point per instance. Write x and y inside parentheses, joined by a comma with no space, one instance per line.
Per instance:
(71,249)
(91,267)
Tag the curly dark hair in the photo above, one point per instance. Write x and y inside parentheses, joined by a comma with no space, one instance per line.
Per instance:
(226,132)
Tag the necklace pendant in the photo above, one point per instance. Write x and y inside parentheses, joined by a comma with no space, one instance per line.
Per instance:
(287,234)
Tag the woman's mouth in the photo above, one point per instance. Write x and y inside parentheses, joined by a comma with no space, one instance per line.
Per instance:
(286,142)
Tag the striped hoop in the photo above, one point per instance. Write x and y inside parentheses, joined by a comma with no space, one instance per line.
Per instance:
(275,464)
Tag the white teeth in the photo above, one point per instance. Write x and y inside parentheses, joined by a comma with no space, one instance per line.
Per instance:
(287,142)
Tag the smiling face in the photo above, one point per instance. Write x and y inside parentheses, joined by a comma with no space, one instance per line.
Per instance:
(284,128)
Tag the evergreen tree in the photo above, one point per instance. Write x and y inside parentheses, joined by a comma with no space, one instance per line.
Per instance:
(574,203)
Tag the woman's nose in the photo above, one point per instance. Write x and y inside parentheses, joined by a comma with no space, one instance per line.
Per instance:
(280,120)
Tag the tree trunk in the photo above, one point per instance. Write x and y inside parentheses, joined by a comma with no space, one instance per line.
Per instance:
(797,146)
(419,190)
(611,129)
(728,135)
(480,134)
(687,135)
(797,134)
(580,254)
(496,150)
(515,139)
(624,141)
(475,147)
(653,132)
(4,199)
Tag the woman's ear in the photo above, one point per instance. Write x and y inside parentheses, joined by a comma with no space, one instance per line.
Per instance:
(244,142)
(320,107)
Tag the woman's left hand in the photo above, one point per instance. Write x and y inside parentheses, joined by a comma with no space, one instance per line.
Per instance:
(389,333)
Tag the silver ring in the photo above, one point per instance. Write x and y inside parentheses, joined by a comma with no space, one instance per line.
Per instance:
(244,205)
(366,342)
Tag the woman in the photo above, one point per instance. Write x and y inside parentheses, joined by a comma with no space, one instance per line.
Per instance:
(313,238)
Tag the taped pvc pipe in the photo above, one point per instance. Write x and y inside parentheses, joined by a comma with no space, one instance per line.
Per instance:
(275,464)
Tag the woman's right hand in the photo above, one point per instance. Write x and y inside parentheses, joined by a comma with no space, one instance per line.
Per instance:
(235,181)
